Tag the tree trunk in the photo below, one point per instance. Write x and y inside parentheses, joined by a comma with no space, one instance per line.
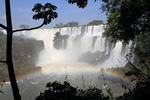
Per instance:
(9,61)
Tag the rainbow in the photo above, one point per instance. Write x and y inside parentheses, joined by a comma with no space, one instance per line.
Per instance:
(83,68)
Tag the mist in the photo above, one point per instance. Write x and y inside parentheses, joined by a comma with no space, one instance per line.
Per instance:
(68,53)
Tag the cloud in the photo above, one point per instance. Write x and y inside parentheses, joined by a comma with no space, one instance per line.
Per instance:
(3,17)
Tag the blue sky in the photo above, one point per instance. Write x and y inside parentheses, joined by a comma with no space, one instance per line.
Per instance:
(22,12)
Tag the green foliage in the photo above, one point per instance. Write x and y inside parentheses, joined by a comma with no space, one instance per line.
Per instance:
(58,91)
(130,20)
(140,92)
(60,25)
(76,24)
(24,26)
(92,93)
(25,53)
(140,67)
(46,12)
(80,3)
(69,24)
(95,22)
(110,93)
(127,18)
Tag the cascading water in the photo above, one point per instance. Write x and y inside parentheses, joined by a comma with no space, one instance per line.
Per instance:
(73,50)
(83,45)
(76,47)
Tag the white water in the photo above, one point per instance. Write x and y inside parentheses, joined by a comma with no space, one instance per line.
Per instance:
(50,56)
(90,40)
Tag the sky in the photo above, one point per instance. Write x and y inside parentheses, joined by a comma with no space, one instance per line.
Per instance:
(21,11)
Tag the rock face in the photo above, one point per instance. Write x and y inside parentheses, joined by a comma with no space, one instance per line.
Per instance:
(60,42)
(27,50)
(25,54)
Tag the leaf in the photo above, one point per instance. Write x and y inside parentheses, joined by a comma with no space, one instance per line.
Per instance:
(80,3)
(46,12)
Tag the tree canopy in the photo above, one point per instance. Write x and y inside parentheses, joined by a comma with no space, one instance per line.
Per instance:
(23,26)
(64,91)
(80,3)
(126,18)
(96,22)
(130,20)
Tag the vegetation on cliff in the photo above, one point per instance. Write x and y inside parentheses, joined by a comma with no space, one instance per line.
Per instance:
(76,24)
(25,54)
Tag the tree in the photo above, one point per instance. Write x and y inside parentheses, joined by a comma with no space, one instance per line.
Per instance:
(45,12)
(59,25)
(126,19)
(96,22)
(24,26)
(130,20)
(80,3)
(69,24)
(58,91)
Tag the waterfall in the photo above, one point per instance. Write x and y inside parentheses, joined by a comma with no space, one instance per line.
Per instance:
(77,48)
(71,45)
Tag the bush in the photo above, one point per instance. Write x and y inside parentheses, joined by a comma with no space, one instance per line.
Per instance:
(58,91)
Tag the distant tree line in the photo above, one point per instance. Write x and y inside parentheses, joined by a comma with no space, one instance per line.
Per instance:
(69,24)
(95,22)
(23,26)
(76,24)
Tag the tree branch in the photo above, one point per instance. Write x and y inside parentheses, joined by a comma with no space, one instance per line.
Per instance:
(146,68)
(136,69)
(140,54)
(4,27)
(29,28)
(3,62)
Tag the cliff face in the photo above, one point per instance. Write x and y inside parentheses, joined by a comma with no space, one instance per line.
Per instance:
(60,42)
(25,53)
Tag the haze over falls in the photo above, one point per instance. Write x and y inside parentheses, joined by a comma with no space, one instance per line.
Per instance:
(74,45)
